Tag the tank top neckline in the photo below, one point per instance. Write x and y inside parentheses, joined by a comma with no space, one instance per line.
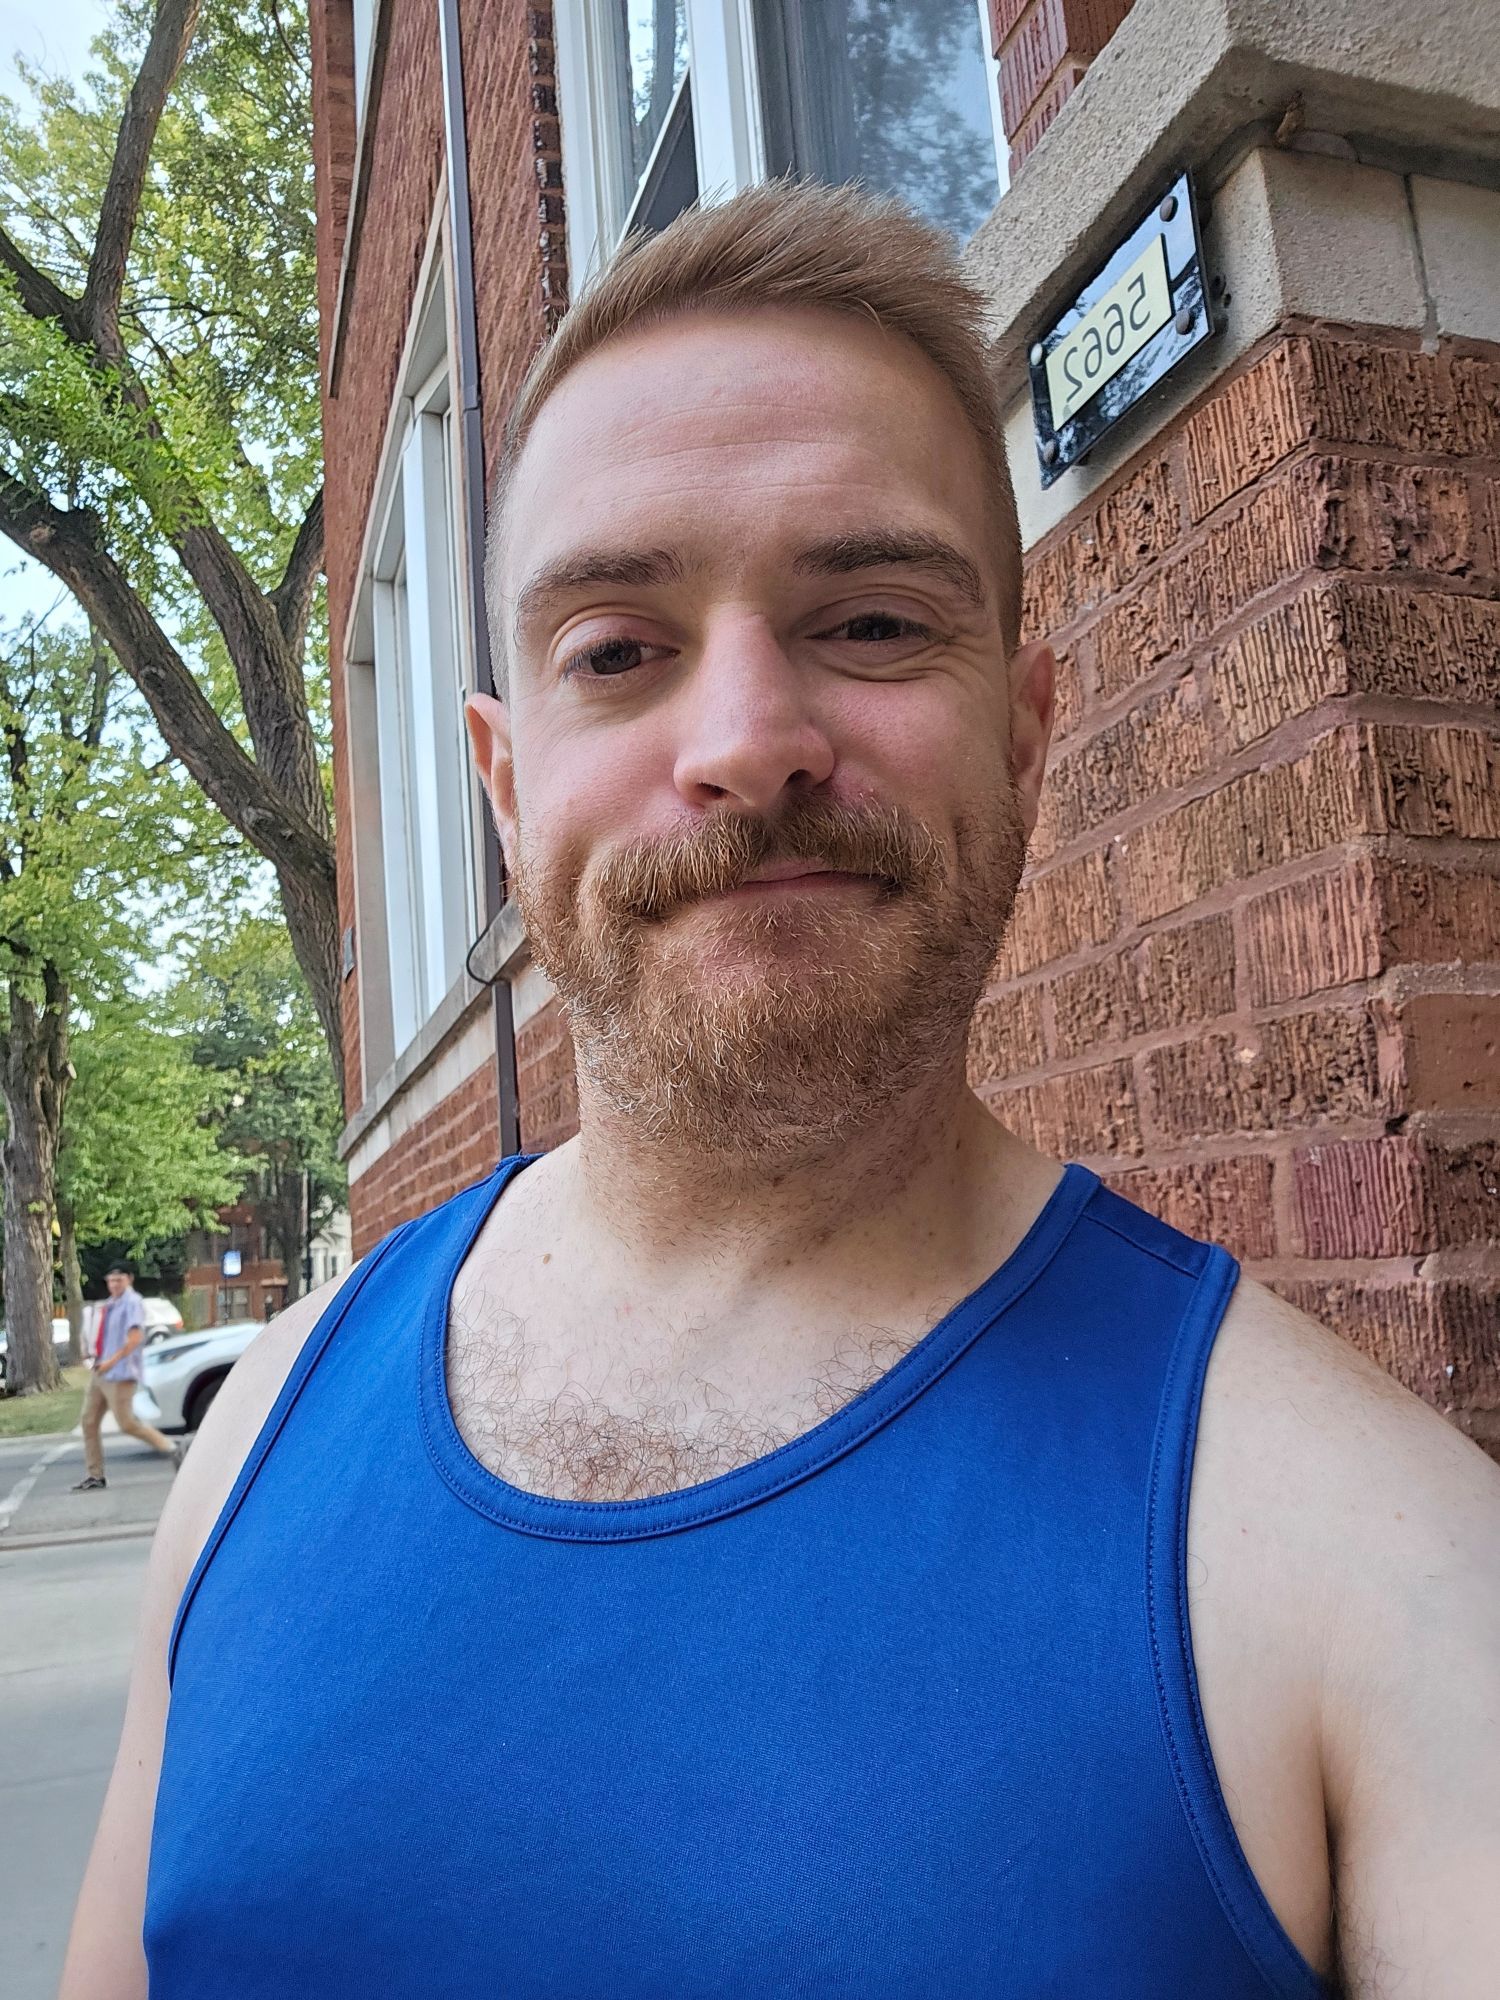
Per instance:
(760,1478)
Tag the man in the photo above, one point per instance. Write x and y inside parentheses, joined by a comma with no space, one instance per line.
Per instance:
(748,1550)
(119,1370)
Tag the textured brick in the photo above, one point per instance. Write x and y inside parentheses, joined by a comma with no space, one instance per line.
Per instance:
(1340,639)
(1359,920)
(1252,823)
(1399,1196)
(1320,514)
(546,1080)
(1136,521)
(1006,1036)
(1164,741)
(1302,1070)
(1084,1113)
(1225,1201)
(451,1146)
(1169,980)
(1437,1337)
(1065,81)
(1436,781)
(1061,911)
(1338,392)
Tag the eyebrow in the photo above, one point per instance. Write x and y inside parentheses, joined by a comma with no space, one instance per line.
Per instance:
(842,555)
(839,555)
(587,569)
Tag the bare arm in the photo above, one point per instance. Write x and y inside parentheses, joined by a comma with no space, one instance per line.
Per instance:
(106,1960)
(1412,1721)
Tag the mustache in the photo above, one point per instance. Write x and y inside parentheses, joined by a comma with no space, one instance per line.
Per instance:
(650,879)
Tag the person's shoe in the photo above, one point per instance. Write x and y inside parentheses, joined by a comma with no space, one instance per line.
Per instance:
(93,1484)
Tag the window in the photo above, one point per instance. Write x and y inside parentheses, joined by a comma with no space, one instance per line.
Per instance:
(664,99)
(412,632)
(894,93)
(364,45)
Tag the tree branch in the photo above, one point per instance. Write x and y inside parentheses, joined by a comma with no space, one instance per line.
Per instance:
(171,32)
(42,297)
(68,544)
(293,596)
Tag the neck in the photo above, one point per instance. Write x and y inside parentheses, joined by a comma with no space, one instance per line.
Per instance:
(918,1182)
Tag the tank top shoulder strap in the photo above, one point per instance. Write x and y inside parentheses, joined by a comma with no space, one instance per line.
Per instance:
(438,1231)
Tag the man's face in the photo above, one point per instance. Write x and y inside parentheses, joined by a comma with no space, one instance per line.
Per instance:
(117,1282)
(764,774)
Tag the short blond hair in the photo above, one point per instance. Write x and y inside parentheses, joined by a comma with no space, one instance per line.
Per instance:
(786,243)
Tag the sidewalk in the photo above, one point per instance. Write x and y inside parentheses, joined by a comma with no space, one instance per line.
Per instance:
(37,1506)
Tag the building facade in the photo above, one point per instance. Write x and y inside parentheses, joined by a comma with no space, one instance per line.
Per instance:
(1254,975)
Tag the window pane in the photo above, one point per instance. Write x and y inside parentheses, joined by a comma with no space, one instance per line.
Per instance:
(653,39)
(894,93)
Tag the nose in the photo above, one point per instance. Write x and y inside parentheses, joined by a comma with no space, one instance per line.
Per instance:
(748,731)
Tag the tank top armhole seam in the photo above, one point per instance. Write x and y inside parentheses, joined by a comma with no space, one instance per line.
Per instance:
(1261,1935)
(311,1352)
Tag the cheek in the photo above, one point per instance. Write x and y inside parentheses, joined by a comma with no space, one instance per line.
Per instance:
(926,744)
(582,791)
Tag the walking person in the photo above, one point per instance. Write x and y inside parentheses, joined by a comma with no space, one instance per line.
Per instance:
(119,1370)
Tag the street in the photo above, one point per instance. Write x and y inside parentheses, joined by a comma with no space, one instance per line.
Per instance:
(71,1570)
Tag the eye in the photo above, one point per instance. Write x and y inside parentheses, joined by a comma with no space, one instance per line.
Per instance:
(876,628)
(607,659)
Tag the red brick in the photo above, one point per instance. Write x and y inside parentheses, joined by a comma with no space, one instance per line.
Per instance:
(1364,917)
(1163,743)
(1063,910)
(1252,823)
(1006,1036)
(1319,514)
(1224,1201)
(1337,391)
(1169,980)
(1024,142)
(1437,1337)
(1082,1113)
(1400,1196)
(1304,1069)
(1449,1052)
(1436,781)
(1338,639)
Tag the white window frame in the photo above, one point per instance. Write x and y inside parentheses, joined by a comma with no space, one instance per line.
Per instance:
(366,24)
(728,125)
(410,654)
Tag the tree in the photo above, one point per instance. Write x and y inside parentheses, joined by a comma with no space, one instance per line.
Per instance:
(140,1158)
(255,1032)
(88,815)
(159,422)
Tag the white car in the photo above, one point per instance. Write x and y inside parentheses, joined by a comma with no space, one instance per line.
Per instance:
(184,1373)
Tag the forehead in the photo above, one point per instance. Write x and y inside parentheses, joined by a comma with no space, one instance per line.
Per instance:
(734,432)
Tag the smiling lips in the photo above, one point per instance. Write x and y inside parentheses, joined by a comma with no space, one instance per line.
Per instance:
(796,877)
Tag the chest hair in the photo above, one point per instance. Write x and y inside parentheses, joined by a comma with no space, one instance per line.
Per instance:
(648,1435)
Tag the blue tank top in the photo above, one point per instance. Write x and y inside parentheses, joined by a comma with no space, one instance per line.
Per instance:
(905,1708)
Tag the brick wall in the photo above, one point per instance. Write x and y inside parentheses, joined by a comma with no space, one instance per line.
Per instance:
(548,1088)
(452,1147)
(1254,973)
(1043,48)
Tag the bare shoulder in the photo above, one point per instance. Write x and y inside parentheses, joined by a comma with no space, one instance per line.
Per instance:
(105,1960)
(1348,1544)
(1304,1417)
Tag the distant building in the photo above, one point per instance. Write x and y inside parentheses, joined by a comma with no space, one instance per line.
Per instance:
(1241,979)
(257,1288)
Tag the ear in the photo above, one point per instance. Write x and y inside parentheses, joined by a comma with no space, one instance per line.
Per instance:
(488,724)
(1033,679)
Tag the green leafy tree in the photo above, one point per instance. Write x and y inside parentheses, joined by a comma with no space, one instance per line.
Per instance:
(159,420)
(256,1033)
(141,1158)
(91,817)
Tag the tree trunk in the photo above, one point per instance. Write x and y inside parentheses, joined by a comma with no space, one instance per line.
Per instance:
(34,1072)
(72,1275)
(311,908)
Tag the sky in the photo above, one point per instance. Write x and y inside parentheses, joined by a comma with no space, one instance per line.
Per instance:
(55,35)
